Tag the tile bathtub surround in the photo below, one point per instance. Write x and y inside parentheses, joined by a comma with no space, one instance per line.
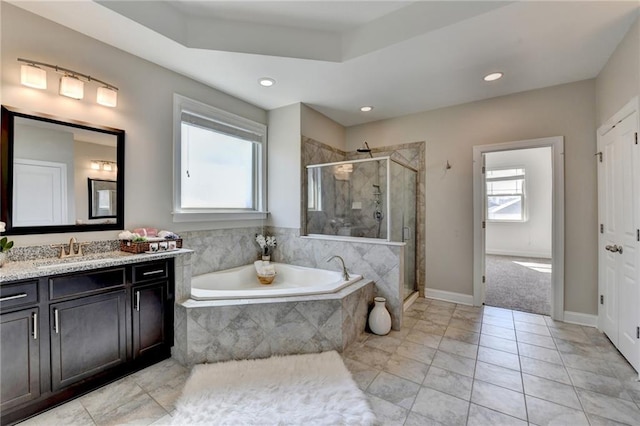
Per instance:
(411,379)
(259,330)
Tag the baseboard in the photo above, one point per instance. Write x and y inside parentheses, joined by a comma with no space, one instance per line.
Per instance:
(449,296)
(515,253)
(581,319)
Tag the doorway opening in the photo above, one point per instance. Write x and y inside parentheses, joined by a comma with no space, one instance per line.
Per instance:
(519,226)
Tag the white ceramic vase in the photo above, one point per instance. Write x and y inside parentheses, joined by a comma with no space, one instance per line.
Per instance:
(379,318)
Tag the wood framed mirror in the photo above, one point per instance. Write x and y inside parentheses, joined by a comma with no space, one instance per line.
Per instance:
(46,163)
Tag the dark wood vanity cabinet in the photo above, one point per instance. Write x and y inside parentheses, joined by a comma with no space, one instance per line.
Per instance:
(65,335)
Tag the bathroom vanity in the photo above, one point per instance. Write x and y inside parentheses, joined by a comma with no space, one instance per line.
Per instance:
(67,329)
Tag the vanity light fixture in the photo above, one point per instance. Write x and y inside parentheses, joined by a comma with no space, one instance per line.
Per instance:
(493,76)
(366,108)
(72,82)
(95,165)
(32,75)
(107,166)
(266,82)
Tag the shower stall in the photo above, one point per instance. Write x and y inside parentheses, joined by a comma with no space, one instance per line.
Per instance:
(373,198)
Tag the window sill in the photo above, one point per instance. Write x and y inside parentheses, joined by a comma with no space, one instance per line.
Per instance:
(217,216)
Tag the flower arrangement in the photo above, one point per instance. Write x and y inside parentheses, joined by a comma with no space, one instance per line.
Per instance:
(5,244)
(267,244)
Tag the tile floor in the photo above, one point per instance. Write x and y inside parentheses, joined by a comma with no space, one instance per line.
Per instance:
(450,364)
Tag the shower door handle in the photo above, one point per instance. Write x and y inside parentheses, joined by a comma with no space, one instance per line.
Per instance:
(406,233)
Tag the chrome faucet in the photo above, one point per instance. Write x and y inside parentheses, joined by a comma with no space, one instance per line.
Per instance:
(73,252)
(345,273)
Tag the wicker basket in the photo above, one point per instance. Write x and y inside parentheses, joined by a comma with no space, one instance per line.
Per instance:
(266,279)
(143,246)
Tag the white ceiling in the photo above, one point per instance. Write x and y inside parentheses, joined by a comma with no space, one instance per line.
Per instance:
(401,57)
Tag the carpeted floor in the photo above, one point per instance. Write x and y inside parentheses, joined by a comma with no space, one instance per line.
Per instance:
(519,283)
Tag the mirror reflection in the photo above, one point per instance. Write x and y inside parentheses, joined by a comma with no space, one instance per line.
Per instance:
(49,163)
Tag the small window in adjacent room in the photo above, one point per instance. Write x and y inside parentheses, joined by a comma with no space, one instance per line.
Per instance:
(506,195)
(219,164)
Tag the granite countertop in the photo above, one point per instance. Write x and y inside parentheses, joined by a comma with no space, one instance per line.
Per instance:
(13,271)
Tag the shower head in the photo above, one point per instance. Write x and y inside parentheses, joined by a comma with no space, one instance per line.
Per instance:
(365,150)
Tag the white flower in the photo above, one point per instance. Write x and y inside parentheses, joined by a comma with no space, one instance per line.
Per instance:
(3,226)
(271,241)
(262,242)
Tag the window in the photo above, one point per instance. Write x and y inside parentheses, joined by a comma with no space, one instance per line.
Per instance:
(219,164)
(506,195)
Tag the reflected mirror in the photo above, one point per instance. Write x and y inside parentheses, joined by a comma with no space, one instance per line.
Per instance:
(46,164)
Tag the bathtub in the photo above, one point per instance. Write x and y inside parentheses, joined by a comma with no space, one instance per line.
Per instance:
(291,280)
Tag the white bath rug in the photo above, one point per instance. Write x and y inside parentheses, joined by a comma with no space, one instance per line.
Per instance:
(313,389)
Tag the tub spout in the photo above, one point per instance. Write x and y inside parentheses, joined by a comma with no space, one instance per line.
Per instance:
(345,273)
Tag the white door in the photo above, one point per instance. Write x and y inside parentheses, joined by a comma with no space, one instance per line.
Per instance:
(619,242)
(39,193)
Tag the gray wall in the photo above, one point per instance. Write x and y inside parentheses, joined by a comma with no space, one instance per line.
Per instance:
(567,110)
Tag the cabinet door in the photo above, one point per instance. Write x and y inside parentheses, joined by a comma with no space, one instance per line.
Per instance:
(149,317)
(88,336)
(19,358)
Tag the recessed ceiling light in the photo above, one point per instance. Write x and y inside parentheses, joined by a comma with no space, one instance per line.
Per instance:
(366,108)
(266,82)
(493,76)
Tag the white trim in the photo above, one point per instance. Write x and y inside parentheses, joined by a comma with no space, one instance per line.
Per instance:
(449,296)
(630,107)
(556,144)
(580,318)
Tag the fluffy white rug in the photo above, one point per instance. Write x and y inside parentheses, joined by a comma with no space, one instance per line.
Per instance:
(313,389)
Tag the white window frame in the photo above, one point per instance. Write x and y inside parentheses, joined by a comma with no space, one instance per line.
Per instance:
(314,189)
(523,196)
(183,104)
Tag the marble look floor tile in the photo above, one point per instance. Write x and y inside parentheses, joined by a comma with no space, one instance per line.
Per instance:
(499,399)
(551,391)
(72,413)
(551,323)
(463,314)
(387,413)
(482,416)
(394,389)
(455,363)
(497,321)
(462,335)
(530,318)
(111,396)
(594,365)
(499,343)
(384,343)
(535,339)
(497,331)
(429,327)
(435,318)
(576,335)
(464,324)
(441,407)
(163,421)
(542,330)
(156,375)
(539,353)
(545,413)
(373,357)
(363,374)
(500,376)
(601,421)
(457,347)
(167,394)
(422,338)
(415,419)
(406,368)
(546,370)
(141,410)
(416,352)
(494,356)
(609,407)
(597,383)
(575,348)
(400,334)
(449,382)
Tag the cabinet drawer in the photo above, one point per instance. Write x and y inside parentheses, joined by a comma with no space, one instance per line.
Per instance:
(85,283)
(22,294)
(150,271)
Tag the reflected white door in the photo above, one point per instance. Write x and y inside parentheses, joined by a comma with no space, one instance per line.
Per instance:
(39,193)
(619,245)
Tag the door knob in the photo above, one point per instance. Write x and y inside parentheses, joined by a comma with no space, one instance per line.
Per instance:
(614,248)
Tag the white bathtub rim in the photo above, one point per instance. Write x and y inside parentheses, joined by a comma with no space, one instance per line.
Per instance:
(338,295)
